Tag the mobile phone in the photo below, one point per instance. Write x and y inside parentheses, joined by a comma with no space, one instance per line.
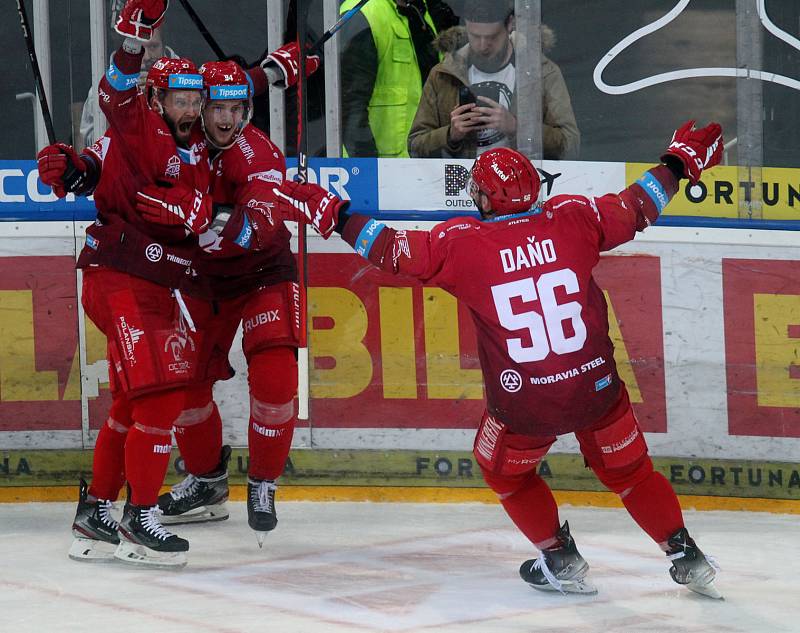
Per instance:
(465,96)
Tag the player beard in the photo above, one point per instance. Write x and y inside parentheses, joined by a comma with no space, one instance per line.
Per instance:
(181,130)
(490,63)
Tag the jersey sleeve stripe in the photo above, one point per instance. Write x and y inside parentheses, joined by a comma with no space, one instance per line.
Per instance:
(366,238)
(654,190)
(120,81)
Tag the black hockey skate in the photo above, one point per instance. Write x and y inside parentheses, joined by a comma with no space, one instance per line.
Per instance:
(261,515)
(94,529)
(690,566)
(560,568)
(198,498)
(144,541)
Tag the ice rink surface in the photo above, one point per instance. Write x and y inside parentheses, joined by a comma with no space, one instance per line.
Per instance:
(365,567)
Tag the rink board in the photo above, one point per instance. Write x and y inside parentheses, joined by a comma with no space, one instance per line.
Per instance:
(428,469)
(706,324)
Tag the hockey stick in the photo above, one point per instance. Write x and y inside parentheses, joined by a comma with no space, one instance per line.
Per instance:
(37,75)
(303,386)
(317,47)
(203,30)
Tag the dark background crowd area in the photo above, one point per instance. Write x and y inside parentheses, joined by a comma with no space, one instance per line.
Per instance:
(612,127)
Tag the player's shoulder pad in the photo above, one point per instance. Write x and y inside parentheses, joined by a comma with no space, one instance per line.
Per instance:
(570,204)
(258,138)
(566,202)
(456,227)
(259,156)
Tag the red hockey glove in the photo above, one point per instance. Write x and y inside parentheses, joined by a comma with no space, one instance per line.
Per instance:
(62,169)
(139,18)
(310,204)
(697,150)
(175,205)
(286,60)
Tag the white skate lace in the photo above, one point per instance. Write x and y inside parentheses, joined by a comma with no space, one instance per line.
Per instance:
(541,563)
(104,511)
(185,488)
(152,525)
(261,495)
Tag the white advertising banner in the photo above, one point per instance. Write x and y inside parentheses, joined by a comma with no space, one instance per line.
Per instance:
(439,184)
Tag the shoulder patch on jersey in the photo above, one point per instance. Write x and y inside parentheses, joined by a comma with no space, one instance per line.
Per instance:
(455,226)
(100,147)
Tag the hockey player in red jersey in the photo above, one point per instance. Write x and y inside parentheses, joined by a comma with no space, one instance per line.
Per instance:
(116,244)
(246,265)
(130,263)
(525,273)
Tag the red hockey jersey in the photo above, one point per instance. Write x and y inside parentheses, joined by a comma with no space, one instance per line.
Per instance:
(541,320)
(254,248)
(139,150)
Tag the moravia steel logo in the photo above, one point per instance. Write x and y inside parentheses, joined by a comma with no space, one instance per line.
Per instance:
(510,380)
(185,82)
(228,92)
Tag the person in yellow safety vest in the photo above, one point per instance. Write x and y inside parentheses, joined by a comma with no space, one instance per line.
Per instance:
(386,58)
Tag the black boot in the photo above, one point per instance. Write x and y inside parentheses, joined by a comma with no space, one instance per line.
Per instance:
(94,529)
(198,498)
(144,541)
(690,566)
(261,514)
(559,568)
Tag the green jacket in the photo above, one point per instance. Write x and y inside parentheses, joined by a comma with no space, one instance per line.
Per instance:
(398,85)
(428,135)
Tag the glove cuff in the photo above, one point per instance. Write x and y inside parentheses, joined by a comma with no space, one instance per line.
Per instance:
(674,164)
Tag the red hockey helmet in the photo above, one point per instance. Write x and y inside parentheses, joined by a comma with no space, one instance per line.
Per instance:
(170,73)
(507,178)
(225,80)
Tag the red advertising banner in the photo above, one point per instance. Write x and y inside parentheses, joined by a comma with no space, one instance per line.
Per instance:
(762,346)
(40,378)
(385,352)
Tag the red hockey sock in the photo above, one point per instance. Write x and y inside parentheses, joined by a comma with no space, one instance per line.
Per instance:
(654,505)
(108,462)
(531,507)
(149,443)
(198,433)
(146,460)
(269,441)
(272,377)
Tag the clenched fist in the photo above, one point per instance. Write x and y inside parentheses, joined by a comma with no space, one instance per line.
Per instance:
(139,18)
(172,206)
(63,169)
(310,204)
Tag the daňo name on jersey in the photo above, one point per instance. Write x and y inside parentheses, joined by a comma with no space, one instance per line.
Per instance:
(528,255)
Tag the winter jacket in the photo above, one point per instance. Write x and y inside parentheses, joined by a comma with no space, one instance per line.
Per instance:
(428,135)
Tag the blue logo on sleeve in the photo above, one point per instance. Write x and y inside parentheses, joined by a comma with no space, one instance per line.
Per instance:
(604,382)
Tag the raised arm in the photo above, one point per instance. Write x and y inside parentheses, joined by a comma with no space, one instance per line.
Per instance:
(690,152)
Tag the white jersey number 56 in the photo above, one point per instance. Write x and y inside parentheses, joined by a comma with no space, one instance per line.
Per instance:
(546,328)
